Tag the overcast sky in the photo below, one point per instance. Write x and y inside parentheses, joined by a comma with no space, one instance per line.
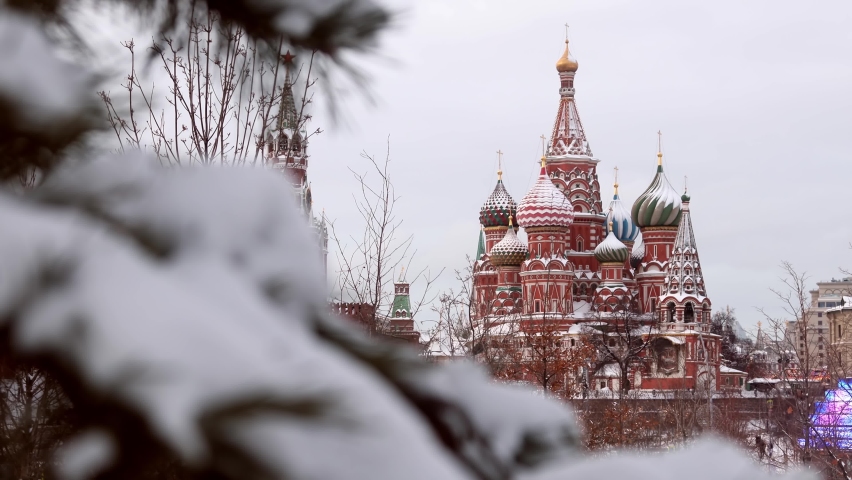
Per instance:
(753,99)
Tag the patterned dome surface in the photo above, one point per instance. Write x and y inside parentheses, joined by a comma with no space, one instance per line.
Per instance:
(659,206)
(508,251)
(638,253)
(545,205)
(621,220)
(611,250)
(497,208)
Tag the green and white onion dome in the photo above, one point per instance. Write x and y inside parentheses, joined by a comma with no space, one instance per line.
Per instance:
(638,252)
(545,205)
(510,250)
(498,207)
(660,205)
(611,250)
(620,220)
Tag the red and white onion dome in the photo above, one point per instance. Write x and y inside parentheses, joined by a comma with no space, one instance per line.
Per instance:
(545,205)
(510,250)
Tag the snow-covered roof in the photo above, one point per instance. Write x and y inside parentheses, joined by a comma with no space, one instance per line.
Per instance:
(729,370)
(609,370)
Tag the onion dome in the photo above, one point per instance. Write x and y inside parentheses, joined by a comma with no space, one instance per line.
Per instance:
(619,221)
(545,205)
(498,207)
(611,250)
(509,251)
(566,62)
(660,205)
(638,253)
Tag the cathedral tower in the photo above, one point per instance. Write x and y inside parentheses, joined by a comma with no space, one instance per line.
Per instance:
(546,216)
(657,213)
(507,255)
(494,217)
(573,169)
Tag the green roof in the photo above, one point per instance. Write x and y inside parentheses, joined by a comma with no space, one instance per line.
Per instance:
(401,302)
(480,249)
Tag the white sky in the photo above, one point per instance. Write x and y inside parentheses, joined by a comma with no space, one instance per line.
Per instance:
(753,99)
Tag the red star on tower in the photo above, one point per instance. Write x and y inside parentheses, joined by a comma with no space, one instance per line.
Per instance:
(288,58)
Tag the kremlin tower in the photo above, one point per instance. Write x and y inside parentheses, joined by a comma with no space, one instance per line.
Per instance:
(287,151)
(583,266)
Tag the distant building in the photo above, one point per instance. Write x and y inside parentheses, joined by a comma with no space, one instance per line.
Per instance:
(397,325)
(840,337)
(811,340)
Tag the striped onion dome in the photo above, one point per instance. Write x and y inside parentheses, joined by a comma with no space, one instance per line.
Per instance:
(545,205)
(620,220)
(510,250)
(611,250)
(638,253)
(498,207)
(660,205)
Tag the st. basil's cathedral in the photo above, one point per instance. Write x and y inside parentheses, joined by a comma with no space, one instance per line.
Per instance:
(585,264)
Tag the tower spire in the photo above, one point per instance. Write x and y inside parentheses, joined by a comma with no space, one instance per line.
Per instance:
(659,148)
(683,275)
(568,136)
(499,164)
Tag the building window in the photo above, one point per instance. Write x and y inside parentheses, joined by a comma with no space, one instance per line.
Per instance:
(819,322)
(819,314)
(688,313)
(572,342)
(603,384)
(537,306)
(820,347)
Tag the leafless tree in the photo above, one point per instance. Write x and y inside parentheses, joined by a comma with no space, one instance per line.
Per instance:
(370,261)
(223,89)
(621,338)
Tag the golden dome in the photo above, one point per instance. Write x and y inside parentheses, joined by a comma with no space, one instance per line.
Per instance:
(566,62)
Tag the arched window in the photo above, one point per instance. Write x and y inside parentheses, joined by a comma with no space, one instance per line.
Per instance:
(689,313)
(580,245)
(296,144)
(670,315)
(282,144)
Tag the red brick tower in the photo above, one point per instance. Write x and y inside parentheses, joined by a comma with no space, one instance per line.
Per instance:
(657,213)
(573,169)
(546,216)
(494,217)
(507,255)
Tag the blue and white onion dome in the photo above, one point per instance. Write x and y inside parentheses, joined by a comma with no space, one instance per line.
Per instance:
(638,252)
(545,205)
(620,221)
(611,250)
(510,250)
(660,205)
(498,207)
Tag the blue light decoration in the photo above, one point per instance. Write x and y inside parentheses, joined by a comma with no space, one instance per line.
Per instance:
(831,423)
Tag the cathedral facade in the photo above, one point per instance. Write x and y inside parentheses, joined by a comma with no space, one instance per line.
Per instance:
(586,267)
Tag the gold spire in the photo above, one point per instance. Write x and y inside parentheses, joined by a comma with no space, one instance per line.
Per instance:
(659,148)
(510,221)
(543,161)
(499,165)
(615,185)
